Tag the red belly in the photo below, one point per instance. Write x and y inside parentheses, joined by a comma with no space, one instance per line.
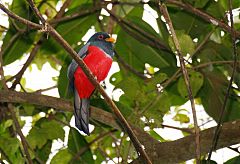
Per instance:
(99,63)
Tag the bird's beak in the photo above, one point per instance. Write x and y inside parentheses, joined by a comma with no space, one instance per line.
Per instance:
(112,40)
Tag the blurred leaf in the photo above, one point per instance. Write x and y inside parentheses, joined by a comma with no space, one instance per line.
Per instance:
(190,24)
(75,143)
(196,82)
(11,147)
(17,48)
(137,54)
(44,130)
(44,152)
(234,160)
(28,108)
(63,156)
(182,118)
(200,3)
(156,136)
(185,41)
(63,83)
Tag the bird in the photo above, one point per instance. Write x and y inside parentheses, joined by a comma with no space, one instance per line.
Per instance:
(97,54)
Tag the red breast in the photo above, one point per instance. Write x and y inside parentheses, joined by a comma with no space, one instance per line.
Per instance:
(99,63)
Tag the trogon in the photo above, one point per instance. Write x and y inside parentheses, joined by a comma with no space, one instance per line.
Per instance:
(97,54)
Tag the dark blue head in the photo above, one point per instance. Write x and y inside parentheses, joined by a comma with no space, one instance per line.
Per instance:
(103,41)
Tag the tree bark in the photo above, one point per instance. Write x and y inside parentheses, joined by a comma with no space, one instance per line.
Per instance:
(167,152)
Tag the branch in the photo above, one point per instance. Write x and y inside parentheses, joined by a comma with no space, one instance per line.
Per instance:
(66,106)
(151,39)
(205,16)
(177,151)
(182,149)
(164,11)
(223,109)
(75,15)
(94,81)
(20,19)
(19,75)
(18,130)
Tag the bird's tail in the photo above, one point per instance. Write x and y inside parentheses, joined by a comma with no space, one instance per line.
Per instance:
(81,112)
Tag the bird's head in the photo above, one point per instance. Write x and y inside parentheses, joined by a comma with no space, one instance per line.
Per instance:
(103,41)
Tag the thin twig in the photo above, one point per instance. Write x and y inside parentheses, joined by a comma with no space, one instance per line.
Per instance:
(223,109)
(5,155)
(164,11)
(92,79)
(187,130)
(151,38)
(19,75)
(20,19)
(9,44)
(46,89)
(35,49)
(18,130)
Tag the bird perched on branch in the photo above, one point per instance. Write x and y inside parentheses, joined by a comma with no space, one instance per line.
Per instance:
(97,54)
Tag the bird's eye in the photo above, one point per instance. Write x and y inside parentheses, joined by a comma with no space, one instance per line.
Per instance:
(100,37)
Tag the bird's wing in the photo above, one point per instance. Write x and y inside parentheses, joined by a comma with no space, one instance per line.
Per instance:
(73,66)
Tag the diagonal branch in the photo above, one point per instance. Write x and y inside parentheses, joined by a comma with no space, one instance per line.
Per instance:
(223,109)
(19,132)
(35,49)
(19,75)
(164,11)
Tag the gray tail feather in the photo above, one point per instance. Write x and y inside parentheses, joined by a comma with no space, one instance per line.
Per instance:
(81,112)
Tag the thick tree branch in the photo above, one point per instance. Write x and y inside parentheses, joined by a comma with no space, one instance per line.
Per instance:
(65,105)
(182,149)
(174,151)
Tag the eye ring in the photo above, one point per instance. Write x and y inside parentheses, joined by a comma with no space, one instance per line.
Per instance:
(100,37)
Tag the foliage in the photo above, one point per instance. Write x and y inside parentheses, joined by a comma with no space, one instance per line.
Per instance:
(142,47)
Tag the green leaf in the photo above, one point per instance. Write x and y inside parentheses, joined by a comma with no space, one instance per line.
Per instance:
(44,152)
(196,82)
(11,147)
(182,118)
(137,54)
(28,108)
(200,3)
(185,41)
(190,24)
(156,136)
(18,47)
(234,160)
(46,130)
(75,143)
(63,83)
(63,156)
(212,95)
